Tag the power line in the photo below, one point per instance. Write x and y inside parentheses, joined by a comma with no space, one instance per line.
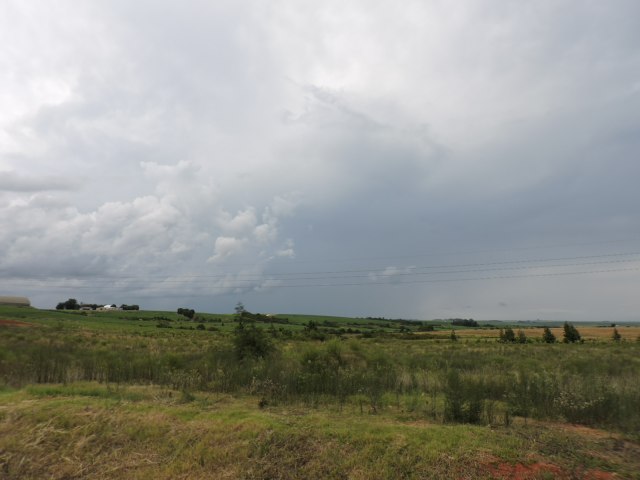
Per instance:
(387,283)
(318,275)
(373,275)
(454,253)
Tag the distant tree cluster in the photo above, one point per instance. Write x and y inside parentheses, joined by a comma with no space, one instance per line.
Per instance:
(464,322)
(507,335)
(426,328)
(187,312)
(71,304)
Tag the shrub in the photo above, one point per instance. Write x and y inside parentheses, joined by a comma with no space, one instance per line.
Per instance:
(547,336)
(462,402)
(187,312)
(615,336)
(250,341)
(522,338)
(507,335)
(571,334)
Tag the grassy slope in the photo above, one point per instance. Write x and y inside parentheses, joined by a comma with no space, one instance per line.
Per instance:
(92,431)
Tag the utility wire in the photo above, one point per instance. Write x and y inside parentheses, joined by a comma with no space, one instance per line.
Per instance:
(372,276)
(319,275)
(350,284)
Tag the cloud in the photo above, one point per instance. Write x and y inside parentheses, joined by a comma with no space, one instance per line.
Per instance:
(226,247)
(203,148)
(166,234)
(14,182)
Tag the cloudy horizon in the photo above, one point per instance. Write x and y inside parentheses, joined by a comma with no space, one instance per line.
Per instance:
(438,160)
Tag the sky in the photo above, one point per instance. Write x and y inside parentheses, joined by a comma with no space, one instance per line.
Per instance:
(428,159)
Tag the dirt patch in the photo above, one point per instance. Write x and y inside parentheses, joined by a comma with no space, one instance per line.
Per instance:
(541,470)
(519,471)
(14,323)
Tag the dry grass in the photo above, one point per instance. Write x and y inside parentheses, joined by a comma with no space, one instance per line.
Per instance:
(158,437)
(628,333)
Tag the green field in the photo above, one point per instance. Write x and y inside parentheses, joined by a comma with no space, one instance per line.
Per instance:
(142,394)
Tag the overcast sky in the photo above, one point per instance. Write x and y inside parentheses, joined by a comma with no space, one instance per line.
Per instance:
(422,159)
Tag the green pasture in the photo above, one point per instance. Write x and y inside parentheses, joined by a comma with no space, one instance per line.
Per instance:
(152,394)
(137,432)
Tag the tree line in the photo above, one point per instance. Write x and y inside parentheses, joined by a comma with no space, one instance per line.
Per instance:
(73,304)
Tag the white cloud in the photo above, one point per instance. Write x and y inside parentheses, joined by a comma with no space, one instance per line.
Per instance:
(242,223)
(226,247)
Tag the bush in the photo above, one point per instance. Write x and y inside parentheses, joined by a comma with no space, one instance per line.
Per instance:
(187,312)
(522,338)
(250,341)
(463,322)
(71,304)
(571,334)
(547,336)
(507,335)
(615,336)
(462,402)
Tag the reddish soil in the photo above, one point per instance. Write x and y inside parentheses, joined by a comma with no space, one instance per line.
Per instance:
(519,471)
(539,470)
(14,323)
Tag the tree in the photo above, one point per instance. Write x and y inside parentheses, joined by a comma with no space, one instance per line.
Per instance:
(571,334)
(71,304)
(187,312)
(426,328)
(240,312)
(522,338)
(463,322)
(616,337)
(250,341)
(547,336)
(507,335)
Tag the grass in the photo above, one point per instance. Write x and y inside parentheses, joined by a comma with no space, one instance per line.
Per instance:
(148,433)
(112,395)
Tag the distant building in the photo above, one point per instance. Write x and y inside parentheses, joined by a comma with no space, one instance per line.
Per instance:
(15,301)
(107,307)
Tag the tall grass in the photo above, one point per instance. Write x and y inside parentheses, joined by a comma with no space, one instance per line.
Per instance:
(471,382)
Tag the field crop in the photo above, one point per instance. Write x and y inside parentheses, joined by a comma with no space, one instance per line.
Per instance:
(152,394)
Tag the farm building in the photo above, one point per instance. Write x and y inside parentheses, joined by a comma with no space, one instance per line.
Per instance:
(15,301)
(107,307)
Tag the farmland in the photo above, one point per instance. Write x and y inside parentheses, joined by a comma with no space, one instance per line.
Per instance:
(153,394)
